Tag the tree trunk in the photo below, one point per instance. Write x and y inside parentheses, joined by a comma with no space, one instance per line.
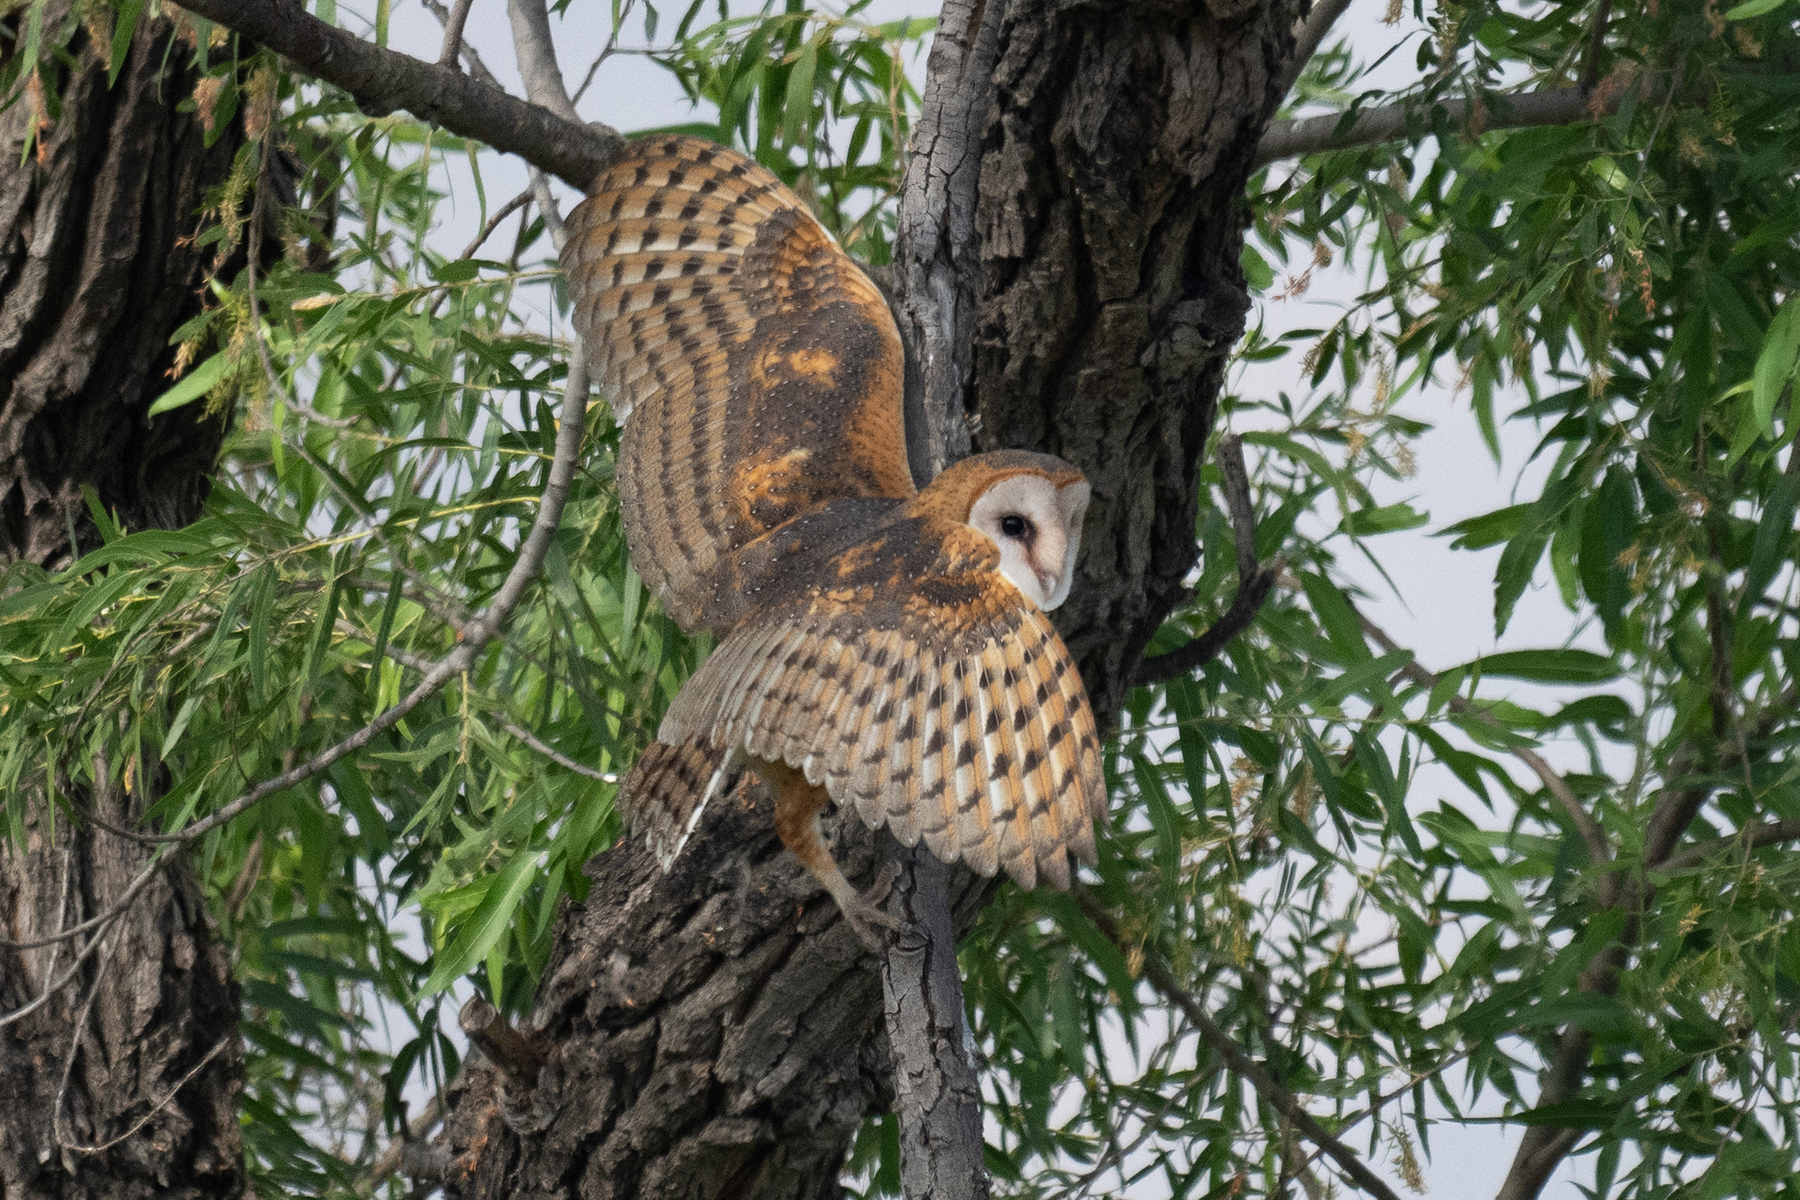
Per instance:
(123,1083)
(715,1031)
(712,1032)
(97,269)
(1111,221)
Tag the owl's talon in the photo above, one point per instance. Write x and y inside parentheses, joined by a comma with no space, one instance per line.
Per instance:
(884,883)
(865,910)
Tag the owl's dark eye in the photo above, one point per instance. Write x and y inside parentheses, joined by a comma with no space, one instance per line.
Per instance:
(1014,526)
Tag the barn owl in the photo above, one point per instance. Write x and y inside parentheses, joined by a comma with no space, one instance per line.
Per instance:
(882,648)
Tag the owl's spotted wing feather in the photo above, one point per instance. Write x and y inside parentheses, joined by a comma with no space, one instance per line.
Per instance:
(919,686)
(757,370)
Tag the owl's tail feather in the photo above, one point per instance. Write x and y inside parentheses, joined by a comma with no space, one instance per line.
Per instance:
(669,788)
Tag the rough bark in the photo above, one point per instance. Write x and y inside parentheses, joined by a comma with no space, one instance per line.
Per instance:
(97,269)
(125,1084)
(715,1031)
(936,272)
(139,1056)
(937,1089)
(1111,222)
(712,1032)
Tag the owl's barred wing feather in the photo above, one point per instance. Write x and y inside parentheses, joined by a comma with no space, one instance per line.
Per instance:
(669,788)
(757,370)
(943,705)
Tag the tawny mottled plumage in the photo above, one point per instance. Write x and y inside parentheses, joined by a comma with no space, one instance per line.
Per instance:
(882,648)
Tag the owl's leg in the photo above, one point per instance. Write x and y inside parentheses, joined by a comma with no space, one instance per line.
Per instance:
(797,808)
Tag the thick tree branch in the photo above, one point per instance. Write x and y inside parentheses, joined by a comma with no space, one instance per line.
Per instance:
(936,273)
(1750,837)
(1309,35)
(384,80)
(1336,131)
(937,1092)
(1237,1060)
(936,269)
(1254,581)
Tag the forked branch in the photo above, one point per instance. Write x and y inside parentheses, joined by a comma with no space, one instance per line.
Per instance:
(1254,581)
(384,80)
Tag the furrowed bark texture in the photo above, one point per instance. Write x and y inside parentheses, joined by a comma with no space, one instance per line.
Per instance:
(97,269)
(712,1032)
(716,1032)
(152,1019)
(937,1089)
(1111,223)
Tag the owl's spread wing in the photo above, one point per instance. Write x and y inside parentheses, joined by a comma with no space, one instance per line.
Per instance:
(917,684)
(757,370)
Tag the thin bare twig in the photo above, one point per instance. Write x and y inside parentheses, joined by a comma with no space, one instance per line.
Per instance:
(81,1020)
(167,1099)
(500,214)
(419,662)
(554,755)
(1254,582)
(1237,1060)
(92,923)
(246,879)
(607,51)
(453,35)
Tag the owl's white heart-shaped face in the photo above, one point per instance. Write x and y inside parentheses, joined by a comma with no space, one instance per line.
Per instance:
(1037,527)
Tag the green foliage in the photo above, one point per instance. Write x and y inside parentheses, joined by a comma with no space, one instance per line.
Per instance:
(780,79)
(1396,949)
(1338,850)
